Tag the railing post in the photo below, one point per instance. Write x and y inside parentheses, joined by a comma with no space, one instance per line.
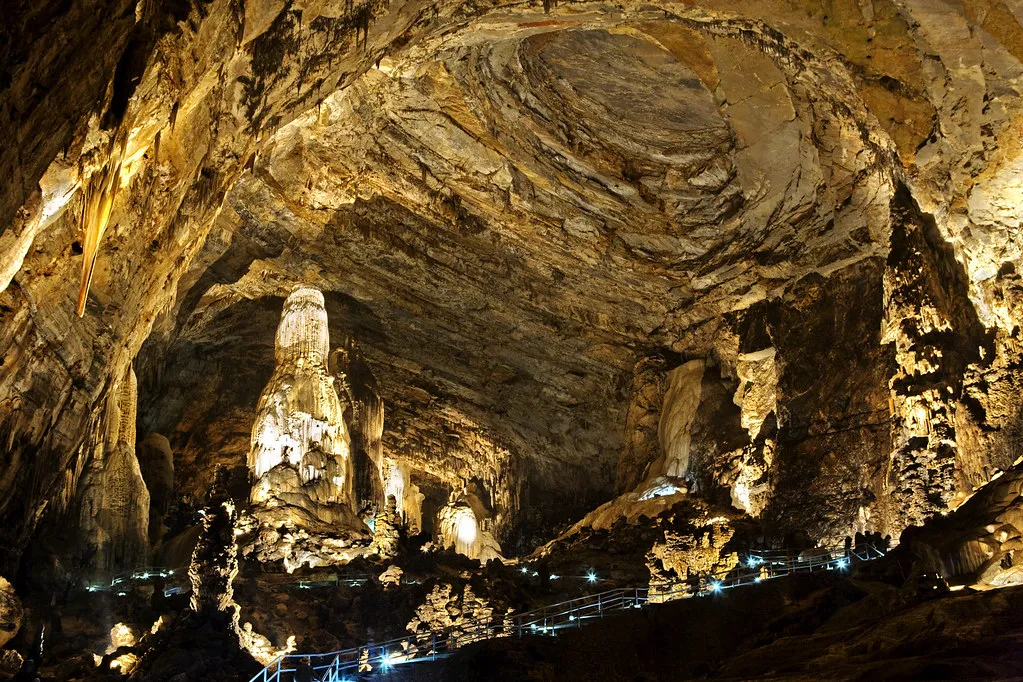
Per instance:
(600,606)
(433,645)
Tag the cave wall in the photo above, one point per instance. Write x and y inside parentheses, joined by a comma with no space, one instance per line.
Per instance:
(858,93)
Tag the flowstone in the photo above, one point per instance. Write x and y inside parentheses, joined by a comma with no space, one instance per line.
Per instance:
(301,450)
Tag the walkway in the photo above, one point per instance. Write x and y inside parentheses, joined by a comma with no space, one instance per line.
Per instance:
(347,665)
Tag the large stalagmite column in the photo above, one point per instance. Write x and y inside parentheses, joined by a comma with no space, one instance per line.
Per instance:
(113,498)
(300,445)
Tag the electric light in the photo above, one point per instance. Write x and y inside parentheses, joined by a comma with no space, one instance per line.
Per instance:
(843,563)
(715,587)
(554,577)
(591,577)
(757,579)
(389,661)
(465,530)
(524,570)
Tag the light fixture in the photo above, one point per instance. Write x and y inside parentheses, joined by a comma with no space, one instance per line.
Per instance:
(554,576)
(715,587)
(524,569)
(843,563)
(591,577)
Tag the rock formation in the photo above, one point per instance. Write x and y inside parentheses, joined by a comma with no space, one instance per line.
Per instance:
(364,414)
(301,457)
(610,265)
(462,528)
(447,614)
(10,612)
(113,503)
(301,448)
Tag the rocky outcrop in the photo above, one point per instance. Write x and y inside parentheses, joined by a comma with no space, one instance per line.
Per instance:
(11,612)
(977,543)
(460,618)
(686,561)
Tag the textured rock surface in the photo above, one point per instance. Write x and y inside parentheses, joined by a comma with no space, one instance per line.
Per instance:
(10,612)
(761,255)
(300,427)
(113,499)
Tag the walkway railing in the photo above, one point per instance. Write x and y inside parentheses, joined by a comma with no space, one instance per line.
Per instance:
(123,582)
(344,666)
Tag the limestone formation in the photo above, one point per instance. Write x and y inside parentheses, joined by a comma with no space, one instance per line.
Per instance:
(460,618)
(113,504)
(215,558)
(612,266)
(977,543)
(462,529)
(11,612)
(364,415)
(386,530)
(299,427)
(686,562)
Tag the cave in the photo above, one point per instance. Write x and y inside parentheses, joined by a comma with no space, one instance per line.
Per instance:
(431,340)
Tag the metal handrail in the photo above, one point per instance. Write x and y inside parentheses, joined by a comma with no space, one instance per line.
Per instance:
(547,620)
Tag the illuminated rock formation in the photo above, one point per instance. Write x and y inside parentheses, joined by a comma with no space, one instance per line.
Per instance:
(214,562)
(300,456)
(977,543)
(447,613)
(300,422)
(461,528)
(686,558)
(407,494)
(935,336)
(300,453)
(386,533)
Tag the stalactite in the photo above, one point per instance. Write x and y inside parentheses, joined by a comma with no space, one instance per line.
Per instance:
(98,201)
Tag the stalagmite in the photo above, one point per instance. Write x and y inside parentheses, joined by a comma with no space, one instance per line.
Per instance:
(300,445)
(300,453)
(364,410)
(113,498)
(681,400)
(407,494)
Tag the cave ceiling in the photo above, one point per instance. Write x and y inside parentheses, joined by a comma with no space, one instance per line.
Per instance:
(505,207)
(507,221)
